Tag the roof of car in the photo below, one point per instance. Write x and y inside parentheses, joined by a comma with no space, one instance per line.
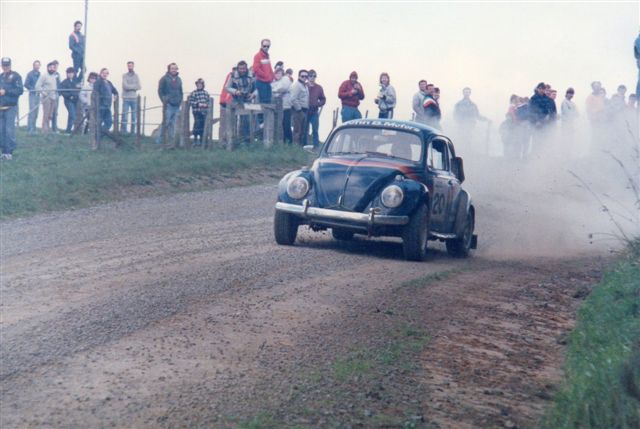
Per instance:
(392,124)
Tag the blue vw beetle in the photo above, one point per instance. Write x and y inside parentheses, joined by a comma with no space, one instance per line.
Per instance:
(381,177)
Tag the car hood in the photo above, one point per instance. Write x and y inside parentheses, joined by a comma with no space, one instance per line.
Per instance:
(352,182)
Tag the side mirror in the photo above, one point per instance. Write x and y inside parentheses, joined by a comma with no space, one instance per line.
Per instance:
(458,168)
(309,148)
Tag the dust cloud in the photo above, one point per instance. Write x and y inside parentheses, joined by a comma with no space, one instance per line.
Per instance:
(573,193)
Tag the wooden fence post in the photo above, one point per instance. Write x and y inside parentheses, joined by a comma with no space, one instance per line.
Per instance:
(208,126)
(230,126)
(144,113)
(94,122)
(186,133)
(278,135)
(116,114)
(138,125)
(163,129)
(77,125)
(269,124)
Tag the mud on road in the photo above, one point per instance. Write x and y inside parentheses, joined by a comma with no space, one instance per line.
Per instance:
(182,311)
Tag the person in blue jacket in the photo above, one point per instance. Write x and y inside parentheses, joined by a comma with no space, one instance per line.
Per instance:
(10,90)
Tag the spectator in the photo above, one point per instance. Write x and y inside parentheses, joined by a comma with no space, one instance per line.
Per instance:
(289,73)
(418,101)
(386,98)
(618,101)
(85,100)
(466,115)
(633,99)
(551,95)
(70,88)
(199,102)
(56,105)
(280,89)
(595,104)
(242,87)
(106,91)
(130,87)
(34,98)
(539,107)
(316,101)
(431,108)
(10,90)
(300,106)
(170,92)
(76,44)
(47,86)
(351,93)
(263,72)
(568,110)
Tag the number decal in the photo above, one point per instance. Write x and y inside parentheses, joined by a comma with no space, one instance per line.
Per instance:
(438,205)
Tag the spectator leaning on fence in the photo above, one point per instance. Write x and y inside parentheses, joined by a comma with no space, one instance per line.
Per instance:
(34,99)
(170,93)
(76,44)
(300,106)
(70,88)
(316,101)
(263,72)
(106,91)
(85,99)
(242,87)
(10,90)
(351,93)
(47,86)
(130,87)
(199,102)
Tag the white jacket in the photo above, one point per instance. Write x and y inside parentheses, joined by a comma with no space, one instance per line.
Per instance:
(281,88)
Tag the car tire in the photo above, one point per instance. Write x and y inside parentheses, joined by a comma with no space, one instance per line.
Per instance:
(415,235)
(461,247)
(342,234)
(285,228)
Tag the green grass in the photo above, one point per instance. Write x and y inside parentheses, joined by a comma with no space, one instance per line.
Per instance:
(58,172)
(603,360)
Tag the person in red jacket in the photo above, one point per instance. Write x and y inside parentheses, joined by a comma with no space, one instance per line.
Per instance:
(351,93)
(263,71)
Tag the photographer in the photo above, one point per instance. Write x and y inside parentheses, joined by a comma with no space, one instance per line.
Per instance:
(386,99)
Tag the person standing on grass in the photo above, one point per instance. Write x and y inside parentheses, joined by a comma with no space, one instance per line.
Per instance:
(106,91)
(316,101)
(280,89)
(386,98)
(199,102)
(351,93)
(85,99)
(76,45)
(10,91)
(170,92)
(70,88)
(34,99)
(300,106)
(47,87)
(130,87)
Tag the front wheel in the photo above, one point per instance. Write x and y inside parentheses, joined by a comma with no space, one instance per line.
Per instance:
(415,235)
(461,247)
(285,228)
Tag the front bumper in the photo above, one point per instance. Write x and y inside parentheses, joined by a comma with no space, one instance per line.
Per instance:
(340,217)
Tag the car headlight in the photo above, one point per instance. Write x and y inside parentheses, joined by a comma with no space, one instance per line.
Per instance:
(298,187)
(392,196)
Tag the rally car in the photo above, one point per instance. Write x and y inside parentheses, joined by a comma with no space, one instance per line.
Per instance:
(381,177)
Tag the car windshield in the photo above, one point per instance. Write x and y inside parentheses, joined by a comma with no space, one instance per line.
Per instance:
(376,141)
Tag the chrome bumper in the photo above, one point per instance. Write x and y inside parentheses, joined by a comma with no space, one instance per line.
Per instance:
(327,215)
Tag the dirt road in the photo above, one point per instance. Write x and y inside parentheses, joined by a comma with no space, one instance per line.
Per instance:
(182,311)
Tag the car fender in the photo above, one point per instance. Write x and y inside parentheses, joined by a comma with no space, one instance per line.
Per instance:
(464,205)
(282,185)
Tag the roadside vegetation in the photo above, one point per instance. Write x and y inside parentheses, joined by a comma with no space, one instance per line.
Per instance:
(57,172)
(603,360)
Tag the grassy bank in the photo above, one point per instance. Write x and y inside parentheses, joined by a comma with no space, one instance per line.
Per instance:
(603,360)
(58,172)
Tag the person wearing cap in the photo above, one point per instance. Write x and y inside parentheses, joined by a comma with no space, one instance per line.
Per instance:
(76,44)
(34,98)
(199,102)
(130,87)
(263,71)
(10,91)
(70,89)
(351,93)
(47,87)
(317,99)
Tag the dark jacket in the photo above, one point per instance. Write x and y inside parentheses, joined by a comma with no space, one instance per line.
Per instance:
(170,89)
(539,109)
(70,89)
(31,80)
(76,43)
(12,84)
(106,91)
(316,98)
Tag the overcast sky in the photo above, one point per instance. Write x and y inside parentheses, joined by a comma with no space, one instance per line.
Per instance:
(495,48)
